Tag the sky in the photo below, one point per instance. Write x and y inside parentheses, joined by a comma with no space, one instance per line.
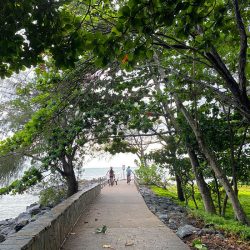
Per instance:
(108,160)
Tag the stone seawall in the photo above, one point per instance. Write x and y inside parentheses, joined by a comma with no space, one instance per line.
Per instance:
(50,230)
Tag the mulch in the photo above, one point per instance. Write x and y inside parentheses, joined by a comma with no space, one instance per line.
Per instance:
(212,242)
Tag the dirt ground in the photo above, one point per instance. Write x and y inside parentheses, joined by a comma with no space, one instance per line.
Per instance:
(213,242)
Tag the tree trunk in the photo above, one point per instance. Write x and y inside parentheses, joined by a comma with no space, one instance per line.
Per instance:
(224,208)
(202,185)
(233,162)
(72,183)
(217,188)
(69,176)
(193,195)
(239,212)
(179,188)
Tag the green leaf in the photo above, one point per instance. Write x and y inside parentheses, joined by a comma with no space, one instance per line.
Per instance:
(149,53)
(125,11)
(102,229)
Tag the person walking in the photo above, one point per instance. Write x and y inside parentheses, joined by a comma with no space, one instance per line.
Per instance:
(111,174)
(129,172)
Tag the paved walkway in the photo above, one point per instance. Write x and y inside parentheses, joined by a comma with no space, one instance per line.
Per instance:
(130,225)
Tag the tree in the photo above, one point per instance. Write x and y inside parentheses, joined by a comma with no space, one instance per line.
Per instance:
(29,28)
(197,46)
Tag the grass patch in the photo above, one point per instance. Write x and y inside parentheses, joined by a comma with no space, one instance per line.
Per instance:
(228,224)
(169,192)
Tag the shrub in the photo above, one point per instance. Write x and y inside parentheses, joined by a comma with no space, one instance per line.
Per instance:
(149,175)
(51,196)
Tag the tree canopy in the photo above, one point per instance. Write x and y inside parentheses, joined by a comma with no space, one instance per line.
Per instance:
(107,71)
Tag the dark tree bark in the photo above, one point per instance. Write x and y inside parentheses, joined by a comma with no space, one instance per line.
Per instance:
(224,207)
(193,195)
(72,183)
(241,99)
(179,188)
(217,189)
(243,49)
(69,174)
(232,156)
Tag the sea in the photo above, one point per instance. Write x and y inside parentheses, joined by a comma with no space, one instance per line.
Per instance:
(12,205)
(92,173)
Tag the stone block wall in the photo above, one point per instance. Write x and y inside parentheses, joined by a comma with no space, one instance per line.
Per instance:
(50,230)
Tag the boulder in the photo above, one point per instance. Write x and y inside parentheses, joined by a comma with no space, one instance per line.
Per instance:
(4,222)
(207,231)
(22,217)
(11,221)
(34,209)
(12,231)
(186,230)
(35,217)
(6,230)
(2,237)
(172,224)
(20,225)
(32,205)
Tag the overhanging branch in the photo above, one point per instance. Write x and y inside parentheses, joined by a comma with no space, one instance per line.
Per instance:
(243,48)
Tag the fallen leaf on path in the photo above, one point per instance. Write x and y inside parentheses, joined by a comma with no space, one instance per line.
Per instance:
(102,229)
(107,246)
(127,244)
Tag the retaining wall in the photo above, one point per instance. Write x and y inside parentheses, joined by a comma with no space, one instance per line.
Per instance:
(49,231)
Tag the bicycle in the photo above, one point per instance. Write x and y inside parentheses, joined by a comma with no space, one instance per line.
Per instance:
(128,179)
(111,181)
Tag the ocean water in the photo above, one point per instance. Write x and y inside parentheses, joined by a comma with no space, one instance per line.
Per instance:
(93,173)
(12,205)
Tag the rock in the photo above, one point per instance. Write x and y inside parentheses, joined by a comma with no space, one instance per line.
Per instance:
(2,238)
(5,226)
(179,209)
(153,209)
(35,217)
(171,220)
(11,226)
(33,210)
(173,225)
(12,231)
(45,208)
(4,222)
(163,217)
(11,221)
(22,217)
(6,230)
(176,216)
(186,230)
(207,231)
(20,225)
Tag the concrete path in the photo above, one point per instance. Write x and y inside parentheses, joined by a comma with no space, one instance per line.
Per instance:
(130,225)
